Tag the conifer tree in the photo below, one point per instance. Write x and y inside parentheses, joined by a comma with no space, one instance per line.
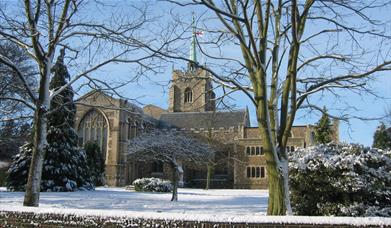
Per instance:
(13,134)
(382,137)
(323,129)
(95,162)
(8,146)
(65,165)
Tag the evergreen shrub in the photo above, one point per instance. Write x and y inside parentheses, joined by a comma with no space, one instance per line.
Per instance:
(65,164)
(340,180)
(152,184)
(95,162)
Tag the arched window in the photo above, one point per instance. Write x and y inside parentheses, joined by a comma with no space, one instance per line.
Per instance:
(312,137)
(248,150)
(129,122)
(133,130)
(94,127)
(188,95)
(252,150)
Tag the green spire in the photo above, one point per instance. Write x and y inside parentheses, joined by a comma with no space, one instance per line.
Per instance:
(193,53)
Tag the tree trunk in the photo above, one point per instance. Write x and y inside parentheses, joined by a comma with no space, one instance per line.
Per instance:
(277,198)
(208,175)
(33,187)
(276,202)
(175,179)
(31,197)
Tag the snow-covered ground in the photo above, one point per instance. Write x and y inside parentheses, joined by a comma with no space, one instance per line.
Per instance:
(234,202)
(194,204)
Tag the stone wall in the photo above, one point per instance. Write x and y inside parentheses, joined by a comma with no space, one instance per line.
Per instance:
(199,84)
(50,220)
(153,111)
(122,117)
(243,161)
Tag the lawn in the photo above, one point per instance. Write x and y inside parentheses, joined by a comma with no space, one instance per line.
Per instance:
(194,204)
(191,201)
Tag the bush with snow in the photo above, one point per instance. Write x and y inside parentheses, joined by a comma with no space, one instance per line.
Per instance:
(152,184)
(342,180)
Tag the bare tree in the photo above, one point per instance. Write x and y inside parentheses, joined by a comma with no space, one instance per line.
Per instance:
(12,91)
(15,116)
(40,28)
(292,54)
(172,148)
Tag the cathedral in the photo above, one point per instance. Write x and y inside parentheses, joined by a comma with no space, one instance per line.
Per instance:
(240,160)
(112,122)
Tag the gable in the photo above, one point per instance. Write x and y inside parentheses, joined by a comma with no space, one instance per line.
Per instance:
(98,98)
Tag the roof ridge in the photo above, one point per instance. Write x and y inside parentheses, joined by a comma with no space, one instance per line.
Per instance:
(207,112)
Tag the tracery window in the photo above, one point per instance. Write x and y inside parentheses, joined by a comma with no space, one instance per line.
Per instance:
(188,95)
(94,127)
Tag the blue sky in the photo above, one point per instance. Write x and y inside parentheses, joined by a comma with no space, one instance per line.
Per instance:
(154,90)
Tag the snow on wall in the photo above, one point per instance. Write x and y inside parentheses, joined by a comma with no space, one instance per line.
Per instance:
(116,215)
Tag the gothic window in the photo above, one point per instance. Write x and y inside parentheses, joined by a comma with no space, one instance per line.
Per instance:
(94,127)
(188,95)
(133,129)
(312,137)
(129,128)
(212,95)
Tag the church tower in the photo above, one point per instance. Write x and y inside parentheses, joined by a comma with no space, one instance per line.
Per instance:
(191,90)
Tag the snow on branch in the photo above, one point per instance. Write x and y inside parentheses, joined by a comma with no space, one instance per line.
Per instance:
(168,146)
